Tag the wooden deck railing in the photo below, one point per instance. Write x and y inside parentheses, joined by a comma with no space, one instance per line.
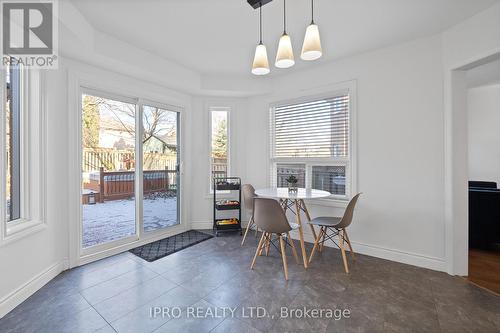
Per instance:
(116,185)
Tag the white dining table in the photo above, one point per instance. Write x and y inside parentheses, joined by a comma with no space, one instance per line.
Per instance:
(295,202)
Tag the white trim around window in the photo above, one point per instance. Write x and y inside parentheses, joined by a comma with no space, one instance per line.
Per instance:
(224,108)
(32,159)
(307,163)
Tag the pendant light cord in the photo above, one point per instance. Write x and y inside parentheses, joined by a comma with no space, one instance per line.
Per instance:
(260,23)
(284,17)
(312,11)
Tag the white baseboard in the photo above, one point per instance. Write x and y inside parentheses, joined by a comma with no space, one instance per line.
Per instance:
(9,302)
(413,259)
(418,260)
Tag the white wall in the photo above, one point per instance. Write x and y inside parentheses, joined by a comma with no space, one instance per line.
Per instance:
(399,147)
(30,262)
(483,105)
(468,44)
(473,38)
(201,202)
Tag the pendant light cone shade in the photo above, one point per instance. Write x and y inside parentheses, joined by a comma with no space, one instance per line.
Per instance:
(260,63)
(311,49)
(284,57)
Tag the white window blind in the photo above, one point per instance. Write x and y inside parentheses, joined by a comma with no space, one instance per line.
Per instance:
(318,128)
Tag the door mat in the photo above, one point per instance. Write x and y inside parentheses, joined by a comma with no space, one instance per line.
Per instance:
(164,247)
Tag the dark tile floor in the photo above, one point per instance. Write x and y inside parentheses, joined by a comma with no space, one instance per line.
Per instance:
(120,293)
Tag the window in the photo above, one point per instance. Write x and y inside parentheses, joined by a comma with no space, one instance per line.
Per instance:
(310,139)
(219,142)
(13,116)
(329,178)
(22,147)
(285,170)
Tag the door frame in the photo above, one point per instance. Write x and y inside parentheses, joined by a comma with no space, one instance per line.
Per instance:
(79,82)
(456,163)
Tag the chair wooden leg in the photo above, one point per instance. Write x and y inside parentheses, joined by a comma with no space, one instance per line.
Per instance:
(322,244)
(349,244)
(259,248)
(250,224)
(341,245)
(264,243)
(283,256)
(316,242)
(268,244)
(294,250)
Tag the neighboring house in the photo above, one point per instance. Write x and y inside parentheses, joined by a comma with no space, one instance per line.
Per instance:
(161,144)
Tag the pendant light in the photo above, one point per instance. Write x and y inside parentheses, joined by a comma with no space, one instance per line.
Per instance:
(284,57)
(260,63)
(311,49)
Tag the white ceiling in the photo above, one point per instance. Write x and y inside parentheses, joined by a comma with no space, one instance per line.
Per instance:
(219,36)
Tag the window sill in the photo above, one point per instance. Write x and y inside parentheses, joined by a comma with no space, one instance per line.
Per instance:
(21,229)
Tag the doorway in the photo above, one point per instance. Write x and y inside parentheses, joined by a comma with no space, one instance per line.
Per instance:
(483,142)
(456,163)
(130,179)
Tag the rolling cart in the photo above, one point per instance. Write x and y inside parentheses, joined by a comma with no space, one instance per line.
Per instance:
(231,203)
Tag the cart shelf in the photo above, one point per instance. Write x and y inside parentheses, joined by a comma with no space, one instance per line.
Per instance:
(221,205)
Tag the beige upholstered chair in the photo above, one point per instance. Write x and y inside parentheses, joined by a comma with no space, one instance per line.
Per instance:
(248,192)
(271,219)
(337,226)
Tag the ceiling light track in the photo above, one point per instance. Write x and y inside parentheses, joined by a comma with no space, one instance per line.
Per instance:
(258,3)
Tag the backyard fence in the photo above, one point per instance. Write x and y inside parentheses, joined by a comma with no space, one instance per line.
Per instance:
(219,167)
(124,159)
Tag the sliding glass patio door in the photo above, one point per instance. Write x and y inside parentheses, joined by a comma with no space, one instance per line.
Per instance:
(128,148)
(108,170)
(160,148)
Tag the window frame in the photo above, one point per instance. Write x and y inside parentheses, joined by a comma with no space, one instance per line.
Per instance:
(210,109)
(32,158)
(348,162)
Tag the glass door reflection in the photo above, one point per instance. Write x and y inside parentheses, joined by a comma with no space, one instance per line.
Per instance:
(160,147)
(108,170)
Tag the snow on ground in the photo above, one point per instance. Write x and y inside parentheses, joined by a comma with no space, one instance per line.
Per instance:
(112,220)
